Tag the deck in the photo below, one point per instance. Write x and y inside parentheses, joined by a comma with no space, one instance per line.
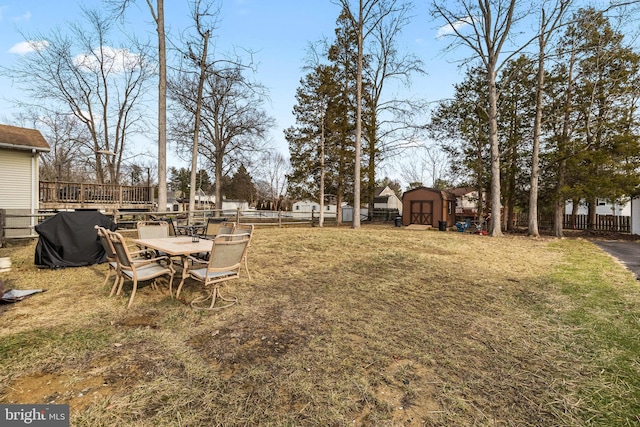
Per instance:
(74,195)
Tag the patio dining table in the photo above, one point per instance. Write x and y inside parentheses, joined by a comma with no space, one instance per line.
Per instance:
(176,246)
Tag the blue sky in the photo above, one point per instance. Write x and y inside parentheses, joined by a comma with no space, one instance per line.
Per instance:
(278,31)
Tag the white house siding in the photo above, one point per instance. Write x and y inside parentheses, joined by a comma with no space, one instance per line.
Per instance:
(468,202)
(18,188)
(393,202)
(635,216)
(308,207)
(603,208)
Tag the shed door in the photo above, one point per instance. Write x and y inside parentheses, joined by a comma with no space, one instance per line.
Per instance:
(421,212)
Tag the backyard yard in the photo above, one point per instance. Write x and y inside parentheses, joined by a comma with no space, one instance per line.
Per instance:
(380,326)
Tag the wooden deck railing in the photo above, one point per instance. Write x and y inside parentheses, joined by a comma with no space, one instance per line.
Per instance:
(83,193)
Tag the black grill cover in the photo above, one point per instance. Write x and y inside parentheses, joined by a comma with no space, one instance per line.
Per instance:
(69,239)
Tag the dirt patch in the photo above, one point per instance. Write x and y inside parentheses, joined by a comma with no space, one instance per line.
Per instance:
(147,320)
(61,388)
(407,391)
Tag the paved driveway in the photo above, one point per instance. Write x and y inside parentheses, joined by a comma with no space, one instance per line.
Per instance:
(628,252)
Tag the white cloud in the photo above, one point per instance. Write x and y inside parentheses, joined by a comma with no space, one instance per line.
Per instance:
(116,60)
(24,17)
(451,28)
(25,47)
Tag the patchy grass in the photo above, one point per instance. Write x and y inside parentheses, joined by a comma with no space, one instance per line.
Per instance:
(369,327)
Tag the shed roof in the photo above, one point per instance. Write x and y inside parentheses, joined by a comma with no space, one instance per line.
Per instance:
(446,195)
(18,138)
(461,191)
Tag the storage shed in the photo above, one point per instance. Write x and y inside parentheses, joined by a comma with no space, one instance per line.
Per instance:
(19,161)
(428,206)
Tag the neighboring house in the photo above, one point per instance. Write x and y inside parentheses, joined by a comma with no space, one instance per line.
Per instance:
(176,203)
(604,207)
(231,206)
(305,207)
(466,201)
(428,206)
(385,198)
(20,150)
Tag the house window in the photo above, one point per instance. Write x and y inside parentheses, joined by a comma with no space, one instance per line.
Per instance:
(601,202)
(297,207)
(327,207)
(313,208)
(450,208)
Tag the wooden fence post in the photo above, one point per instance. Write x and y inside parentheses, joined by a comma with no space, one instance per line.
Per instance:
(3,223)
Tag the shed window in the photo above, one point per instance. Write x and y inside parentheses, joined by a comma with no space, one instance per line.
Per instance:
(450,208)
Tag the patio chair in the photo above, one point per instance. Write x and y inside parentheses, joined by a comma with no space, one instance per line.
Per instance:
(239,230)
(224,264)
(110,254)
(213,227)
(138,269)
(152,229)
(172,228)
(216,229)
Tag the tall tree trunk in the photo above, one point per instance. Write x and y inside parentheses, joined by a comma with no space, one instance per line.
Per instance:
(563,150)
(339,207)
(196,131)
(592,202)
(559,205)
(575,205)
(535,152)
(356,168)
(322,172)
(162,110)
(371,177)
(495,225)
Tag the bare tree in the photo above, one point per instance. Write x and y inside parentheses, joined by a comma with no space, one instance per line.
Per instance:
(485,26)
(377,21)
(69,141)
(272,169)
(427,164)
(100,84)
(390,121)
(364,15)
(233,123)
(205,23)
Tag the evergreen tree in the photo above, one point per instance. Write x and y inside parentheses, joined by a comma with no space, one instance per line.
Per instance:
(461,125)
(516,112)
(241,187)
(321,143)
(595,154)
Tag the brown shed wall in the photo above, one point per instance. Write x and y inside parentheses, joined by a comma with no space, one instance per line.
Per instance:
(427,206)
